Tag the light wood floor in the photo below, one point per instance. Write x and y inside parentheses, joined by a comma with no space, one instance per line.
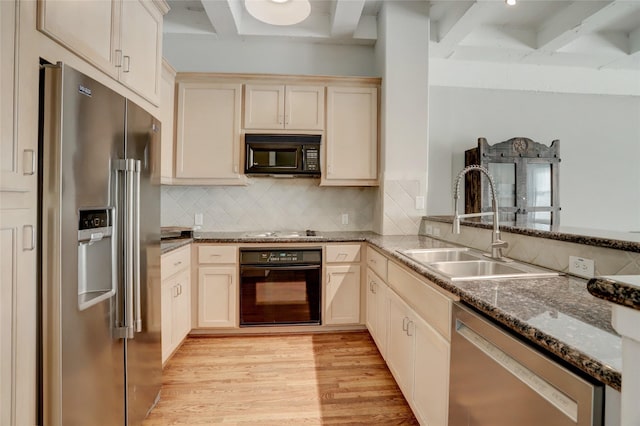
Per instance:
(310,379)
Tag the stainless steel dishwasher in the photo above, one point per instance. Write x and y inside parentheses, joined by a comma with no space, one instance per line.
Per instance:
(497,380)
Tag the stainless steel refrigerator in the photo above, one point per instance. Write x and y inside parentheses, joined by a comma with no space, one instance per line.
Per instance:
(100,229)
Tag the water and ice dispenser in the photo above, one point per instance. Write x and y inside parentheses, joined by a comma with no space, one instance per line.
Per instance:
(96,256)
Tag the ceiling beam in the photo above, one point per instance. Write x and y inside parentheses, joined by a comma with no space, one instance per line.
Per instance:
(461,21)
(223,15)
(346,16)
(578,18)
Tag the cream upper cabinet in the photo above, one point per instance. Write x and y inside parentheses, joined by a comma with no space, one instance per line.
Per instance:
(284,107)
(167,117)
(141,47)
(208,134)
(351,137)
(88,28)
(123,38)
(18,156)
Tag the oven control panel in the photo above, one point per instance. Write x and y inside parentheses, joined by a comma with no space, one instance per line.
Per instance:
(280,256)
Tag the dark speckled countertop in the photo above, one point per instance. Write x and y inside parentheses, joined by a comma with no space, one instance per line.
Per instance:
(557,314)
(619,289)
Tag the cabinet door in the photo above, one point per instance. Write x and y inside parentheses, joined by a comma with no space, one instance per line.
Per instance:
(217,296)
(377,311)
(351,142)
(182,307)
(342,295)
(87,28)
(400,344)
(167,117)
(264,107)
(208,134)
(17,155)
(166,324)
(141,46)
(372,306)
(17,321)
(431,374)
(304,108)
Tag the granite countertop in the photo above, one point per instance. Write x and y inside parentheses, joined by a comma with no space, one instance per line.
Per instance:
(174,243)
(619,289)
(557,313)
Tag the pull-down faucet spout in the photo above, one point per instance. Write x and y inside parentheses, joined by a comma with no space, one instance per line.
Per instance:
(496,243)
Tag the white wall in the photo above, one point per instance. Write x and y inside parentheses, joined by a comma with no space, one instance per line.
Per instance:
(402,55)
(599,147)
(204,53)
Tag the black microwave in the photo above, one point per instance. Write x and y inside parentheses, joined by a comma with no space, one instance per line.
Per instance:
(269,154)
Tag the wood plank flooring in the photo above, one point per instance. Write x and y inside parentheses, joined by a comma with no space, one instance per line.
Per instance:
(297,379)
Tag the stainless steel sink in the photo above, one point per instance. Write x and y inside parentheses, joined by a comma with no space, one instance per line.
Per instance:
(461,263)
(440,254)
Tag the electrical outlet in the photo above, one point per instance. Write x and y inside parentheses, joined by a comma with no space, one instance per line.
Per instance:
(345,218)
(429,229)
(436,231)
(419,202)
(198,219)
(581,267)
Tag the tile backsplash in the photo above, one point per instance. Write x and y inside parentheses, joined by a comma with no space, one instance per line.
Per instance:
(269,204)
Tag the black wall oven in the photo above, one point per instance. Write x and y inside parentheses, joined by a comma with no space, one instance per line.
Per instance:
(280,286)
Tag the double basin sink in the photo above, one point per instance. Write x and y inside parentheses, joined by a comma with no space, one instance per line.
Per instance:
(461,263)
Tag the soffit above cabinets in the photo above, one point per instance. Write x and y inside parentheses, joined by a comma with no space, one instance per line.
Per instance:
(588,34)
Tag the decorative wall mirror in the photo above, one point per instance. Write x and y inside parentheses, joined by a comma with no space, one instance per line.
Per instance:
(526,174)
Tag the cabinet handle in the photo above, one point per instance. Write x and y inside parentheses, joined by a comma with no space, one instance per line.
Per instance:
(280,119)
(408,326)
(372,261)
(29,162)
(118,58)
(178,263)
(175,291)
(28,238)
(126,62)
(405,323)
(373,287)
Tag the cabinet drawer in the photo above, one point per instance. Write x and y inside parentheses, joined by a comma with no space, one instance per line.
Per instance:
(342,253)
(377,262)
(175,261)
(217,254)
(430,304)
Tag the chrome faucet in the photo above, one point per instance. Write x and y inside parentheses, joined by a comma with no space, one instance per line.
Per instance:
(496,243)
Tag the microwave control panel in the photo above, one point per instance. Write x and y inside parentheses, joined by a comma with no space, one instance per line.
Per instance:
(312,156)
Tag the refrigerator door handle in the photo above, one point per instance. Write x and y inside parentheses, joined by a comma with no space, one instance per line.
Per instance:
(137,325)
(128,167)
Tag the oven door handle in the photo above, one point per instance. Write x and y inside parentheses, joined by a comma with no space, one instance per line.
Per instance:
(280,268)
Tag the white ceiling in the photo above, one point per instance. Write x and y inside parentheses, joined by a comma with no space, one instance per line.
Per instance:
(581,33)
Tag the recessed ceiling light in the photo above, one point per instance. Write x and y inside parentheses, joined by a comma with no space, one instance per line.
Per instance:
(509,2)
(279,12)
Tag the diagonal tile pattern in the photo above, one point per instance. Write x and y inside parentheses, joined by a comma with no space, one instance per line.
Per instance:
(268,203)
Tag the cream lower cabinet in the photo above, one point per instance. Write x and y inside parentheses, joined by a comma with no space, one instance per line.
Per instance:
(377,307)
(351,137)
(175,299)
(418,342)
(208,134)
(217,297)
(342,285)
